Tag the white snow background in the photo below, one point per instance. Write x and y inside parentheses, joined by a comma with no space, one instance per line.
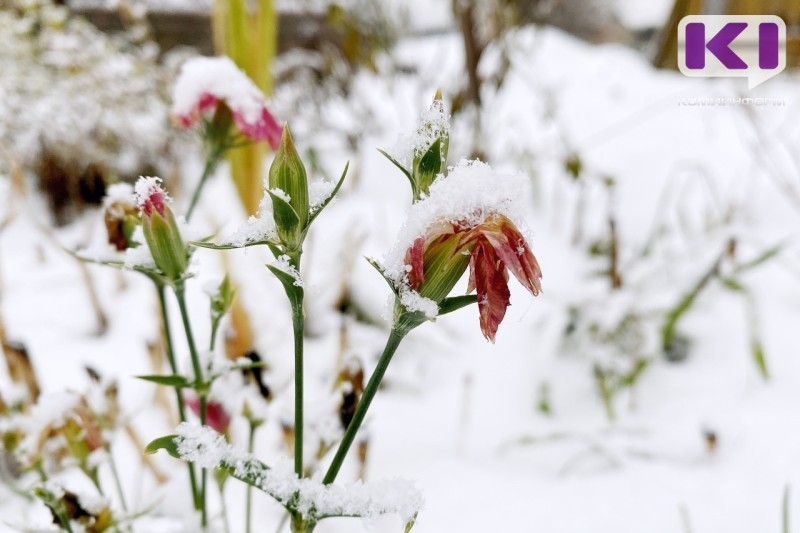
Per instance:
(457,415)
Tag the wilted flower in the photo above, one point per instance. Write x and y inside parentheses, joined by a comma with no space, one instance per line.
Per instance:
(465,221)
(217,416)
(160,228)
(216,86)
(492,248)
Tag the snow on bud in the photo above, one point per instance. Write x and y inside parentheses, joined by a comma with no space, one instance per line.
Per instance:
(288,188)
(160,228)
(423,155)
(120,216)
(466,221)
(431,160)
(214,84)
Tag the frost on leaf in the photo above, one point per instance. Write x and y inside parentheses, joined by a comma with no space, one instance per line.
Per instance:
(311,498)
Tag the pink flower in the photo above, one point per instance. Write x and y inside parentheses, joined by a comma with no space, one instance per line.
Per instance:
(494,247)
(207,84)
(217,418)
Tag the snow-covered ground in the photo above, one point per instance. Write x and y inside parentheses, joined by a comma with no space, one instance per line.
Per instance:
(459,416)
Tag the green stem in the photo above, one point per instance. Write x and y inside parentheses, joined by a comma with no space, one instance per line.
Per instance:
(117,481)
(298,323)
(395,337)
(251,438)
(199,385)
(225,520)
(211,164)
(178,396)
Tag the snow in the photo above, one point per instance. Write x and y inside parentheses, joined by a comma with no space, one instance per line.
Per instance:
(119,193)
(458,416)
(146,187)
(413,301)
(220,78)
(208,449)
(257,228)
(433,123)
(282,263)
(467,195)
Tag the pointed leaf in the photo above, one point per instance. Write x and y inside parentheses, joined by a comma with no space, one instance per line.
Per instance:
(429,166)
(294,292)
(410,524)
(287,221)
(762,258)
(380,270)
(174,380)
(757,349)
(166,443)
(330,197)
(454,303)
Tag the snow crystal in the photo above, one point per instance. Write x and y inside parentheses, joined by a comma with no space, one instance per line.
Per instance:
(432,124)
(208,449)
(120,194)
(140,256)
(221,78)
(283,264)
(413,301)
(146,186)
(318,192)
(469,194)
(256,229)
(280,193)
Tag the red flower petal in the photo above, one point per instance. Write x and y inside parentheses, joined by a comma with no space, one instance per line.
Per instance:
(217,417)
(266,128)
(514,252)
(491,281)
(414,257)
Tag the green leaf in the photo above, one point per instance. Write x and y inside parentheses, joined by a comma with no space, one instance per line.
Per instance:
(410,523)
(287,222)
(213,246)
(757,349)
(174,380)
(414,189)
(732,284)
(762,258)
(428,167)
(454,303)
(293,292)
(380,270)
(221,301)
(166,443)
(335,191)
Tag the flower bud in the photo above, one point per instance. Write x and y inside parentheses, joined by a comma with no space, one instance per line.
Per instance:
(120,216)
(288,187)
(160,229)
(438,260)
(431,160)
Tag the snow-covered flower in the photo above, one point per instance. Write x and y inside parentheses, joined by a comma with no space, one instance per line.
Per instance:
(215,86)
(466,220)
(437,260)
(161,232)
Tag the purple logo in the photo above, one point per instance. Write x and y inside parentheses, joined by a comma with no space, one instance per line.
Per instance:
(713,46)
